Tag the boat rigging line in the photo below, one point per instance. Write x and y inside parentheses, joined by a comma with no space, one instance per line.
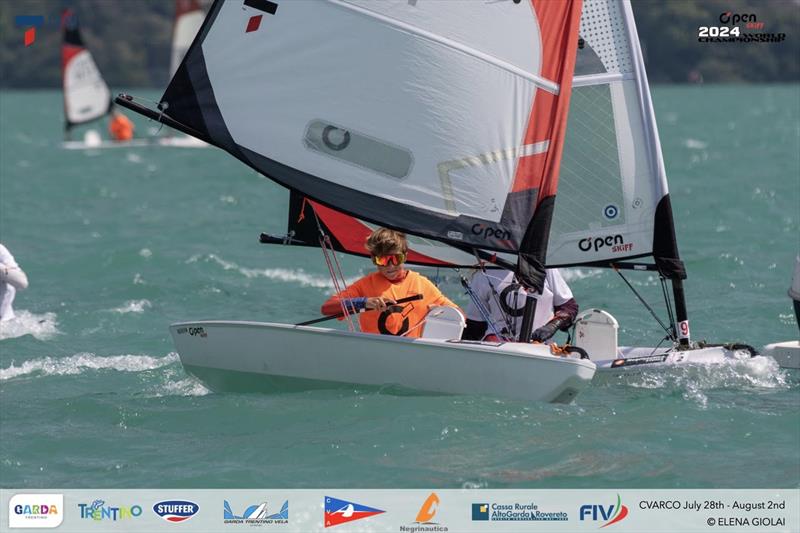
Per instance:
(670,331)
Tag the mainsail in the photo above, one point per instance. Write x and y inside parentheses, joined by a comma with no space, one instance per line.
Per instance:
(86,95)
(188,19)
(446,120)
(442,119)
(613,202)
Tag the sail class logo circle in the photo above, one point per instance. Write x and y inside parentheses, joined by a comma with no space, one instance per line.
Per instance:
(611,211)
(176,510)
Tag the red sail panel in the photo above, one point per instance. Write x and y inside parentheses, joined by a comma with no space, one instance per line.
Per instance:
(352,234)
(559,23)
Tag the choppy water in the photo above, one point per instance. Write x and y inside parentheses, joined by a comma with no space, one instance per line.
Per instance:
(120,243)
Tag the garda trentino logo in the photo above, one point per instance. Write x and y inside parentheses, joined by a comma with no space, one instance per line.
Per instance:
(341,511)
(515,512)
(35,510)
(256,514)
(424,522)
(98,510)
(611,514)
(176,510)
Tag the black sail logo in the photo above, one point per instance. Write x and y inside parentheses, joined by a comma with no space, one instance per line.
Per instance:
(615,242)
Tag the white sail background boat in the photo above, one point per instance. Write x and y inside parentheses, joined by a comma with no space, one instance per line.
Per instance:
(445,120)
(189,16)
(87,97)
(86,94)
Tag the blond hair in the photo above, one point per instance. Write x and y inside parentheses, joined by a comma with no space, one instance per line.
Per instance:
(385,241)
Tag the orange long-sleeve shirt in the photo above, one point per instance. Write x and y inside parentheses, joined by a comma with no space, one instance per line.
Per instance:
(375,284)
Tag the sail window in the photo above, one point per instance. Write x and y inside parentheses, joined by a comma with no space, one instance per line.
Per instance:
(358,149)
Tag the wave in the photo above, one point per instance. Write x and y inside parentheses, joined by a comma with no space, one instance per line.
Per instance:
(572,274)
(132,306)
(43,326)
(694,144)
(285,275)
(693,381)
(83,362)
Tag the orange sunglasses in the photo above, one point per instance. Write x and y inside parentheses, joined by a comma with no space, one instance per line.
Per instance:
(385,260)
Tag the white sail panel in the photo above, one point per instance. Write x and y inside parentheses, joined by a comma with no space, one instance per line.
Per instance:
(612,176)
(466,110)
(508,36)
(86,95)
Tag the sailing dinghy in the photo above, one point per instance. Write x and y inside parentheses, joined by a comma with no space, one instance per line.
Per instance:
(445,120)
(613,208)
(86,94)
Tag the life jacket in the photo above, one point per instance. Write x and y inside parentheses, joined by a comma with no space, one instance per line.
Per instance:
(121,128)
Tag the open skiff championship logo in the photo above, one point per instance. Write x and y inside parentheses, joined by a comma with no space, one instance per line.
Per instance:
(731,27)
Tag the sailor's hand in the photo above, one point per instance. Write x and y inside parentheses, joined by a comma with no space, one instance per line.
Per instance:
(545,332)
(379,303)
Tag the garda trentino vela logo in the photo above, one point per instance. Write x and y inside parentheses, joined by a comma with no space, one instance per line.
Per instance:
(611,513)
(341,511)
(35,510)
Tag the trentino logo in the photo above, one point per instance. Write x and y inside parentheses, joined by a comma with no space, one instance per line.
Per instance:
(35,510)
(256,514)
(611,513)
(98,510)
(341,511)
(176,510)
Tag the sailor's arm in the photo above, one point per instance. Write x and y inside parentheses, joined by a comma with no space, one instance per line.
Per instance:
(13,275)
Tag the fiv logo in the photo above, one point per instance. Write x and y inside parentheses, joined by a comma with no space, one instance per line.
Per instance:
(610,513)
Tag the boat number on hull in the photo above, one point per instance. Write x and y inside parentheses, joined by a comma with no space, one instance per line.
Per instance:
(194,331)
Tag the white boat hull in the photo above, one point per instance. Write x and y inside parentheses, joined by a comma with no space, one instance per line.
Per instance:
(235,355)
(787,354)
